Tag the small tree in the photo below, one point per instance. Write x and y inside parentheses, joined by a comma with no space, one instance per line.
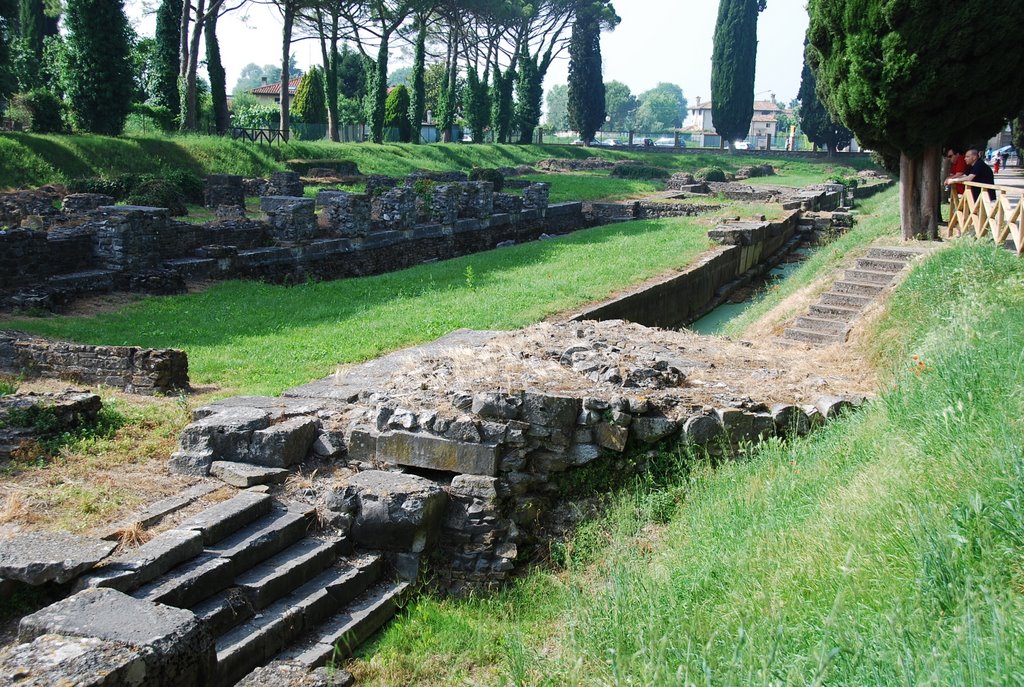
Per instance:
(396,112)
(310,100)
(501,104)
(99,65)
(167,60)
(586,87)
(529,93)
(732,68)
(478,105)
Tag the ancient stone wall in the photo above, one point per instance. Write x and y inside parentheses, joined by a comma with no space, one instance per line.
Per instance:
(136,370)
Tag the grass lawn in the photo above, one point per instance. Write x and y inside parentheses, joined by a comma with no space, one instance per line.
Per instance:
(885,549)
(258,338)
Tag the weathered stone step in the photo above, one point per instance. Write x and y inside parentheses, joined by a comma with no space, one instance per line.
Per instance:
(229,516)
(827,326)
(224,610)
(190,583)
(286,571)
(264,538)
(858,288)
(146,563)
(845,300)
(255,642)
(822,338)
(834,312)
(341,635)
(880,265)
(869,277)
(894,253)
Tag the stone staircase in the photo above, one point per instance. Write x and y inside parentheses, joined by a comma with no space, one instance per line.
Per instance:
(829,320)
(264,583)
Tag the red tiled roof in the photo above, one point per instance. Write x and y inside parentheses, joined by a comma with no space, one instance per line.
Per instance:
(275,88)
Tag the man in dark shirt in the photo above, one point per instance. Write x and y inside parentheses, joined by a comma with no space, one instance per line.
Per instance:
(977,171)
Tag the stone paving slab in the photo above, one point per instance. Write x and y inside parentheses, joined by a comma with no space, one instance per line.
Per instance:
(82,661)
(244,475)
(36,558)
(228,516)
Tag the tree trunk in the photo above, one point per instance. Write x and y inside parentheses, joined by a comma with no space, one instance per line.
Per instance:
(215,70)
(190,98)
(920,188)
(329,54)
(286,43)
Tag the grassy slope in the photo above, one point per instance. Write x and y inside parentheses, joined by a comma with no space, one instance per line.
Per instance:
(260,338)
(886,549)
(31,160)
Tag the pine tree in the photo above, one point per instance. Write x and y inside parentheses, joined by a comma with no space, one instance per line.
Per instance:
(396,112)
(816,121)
(310,97)
(168,60)
(529,94)
(733,59)
(418,97)
(99,67)
(586,85)
(907,78)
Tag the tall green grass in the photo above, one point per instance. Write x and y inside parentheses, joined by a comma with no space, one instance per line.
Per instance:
(888,549)
(260,338)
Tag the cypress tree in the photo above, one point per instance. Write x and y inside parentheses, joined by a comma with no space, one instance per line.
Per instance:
(99,65)
(815,120)
(478,105)
(310,97)
(907,78)
(8,83)
(501,104)
(529,93)
(418,97)
(586,84)
(215,70)
(733,60)
(33,26)
(396,112)
(167,60)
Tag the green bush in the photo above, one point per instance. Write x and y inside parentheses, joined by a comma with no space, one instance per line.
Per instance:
(119,186)
(710,174)
(848,182)
(161,116)
(640,172)
(45,110)
(159,193)
(487,174)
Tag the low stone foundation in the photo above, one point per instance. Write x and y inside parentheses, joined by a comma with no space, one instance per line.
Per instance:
(132,369)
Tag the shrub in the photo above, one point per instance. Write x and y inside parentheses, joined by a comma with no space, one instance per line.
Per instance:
(119,186)
(255,116)
(159,193)
(639,171)
(710,174)
(849,182)
(161,116)
(487,174)
(45,111)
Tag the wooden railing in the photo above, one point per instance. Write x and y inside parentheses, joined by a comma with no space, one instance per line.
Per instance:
(1002,217)
(267,136)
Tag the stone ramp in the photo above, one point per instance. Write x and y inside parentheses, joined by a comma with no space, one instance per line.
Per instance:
(262,582)
(830,319)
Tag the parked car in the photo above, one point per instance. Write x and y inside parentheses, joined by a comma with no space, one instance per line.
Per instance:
(667,142)
(609,142)
(741,145)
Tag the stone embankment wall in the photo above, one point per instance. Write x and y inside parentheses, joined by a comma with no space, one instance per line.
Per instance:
(89,246)
(136,370)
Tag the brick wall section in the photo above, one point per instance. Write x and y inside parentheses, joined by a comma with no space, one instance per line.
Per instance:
(136,370)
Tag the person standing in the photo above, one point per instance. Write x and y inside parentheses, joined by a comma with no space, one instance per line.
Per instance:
(977,171)
(957,167)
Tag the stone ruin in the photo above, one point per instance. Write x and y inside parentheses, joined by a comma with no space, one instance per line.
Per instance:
(27,418)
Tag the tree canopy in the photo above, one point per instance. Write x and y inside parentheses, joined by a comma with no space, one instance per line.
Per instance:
(99,66)
(557,112)
(815,120)
(908,76)
(586,87)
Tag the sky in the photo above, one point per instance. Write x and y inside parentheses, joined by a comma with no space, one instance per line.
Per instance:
(657,40)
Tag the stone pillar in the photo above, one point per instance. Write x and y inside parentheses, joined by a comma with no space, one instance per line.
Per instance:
(285,184)
(394,209)
(224,190)
(290,218)
(444,204)
(344,214)
(535,196)
(477,199)
(128,238)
